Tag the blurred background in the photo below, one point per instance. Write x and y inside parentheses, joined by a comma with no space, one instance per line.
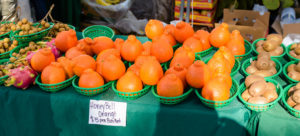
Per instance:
(130,16)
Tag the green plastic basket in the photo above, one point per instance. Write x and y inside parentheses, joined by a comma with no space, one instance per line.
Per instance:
(17,49)
(97,31)
(175,47)
(72,27)
(236,67)
(5,35)
(166,66)
(5,54)
(31,37)
(171,100)
(90,91)
(53,87)
(280,57)
(219,104)
(288,53)
(284,98)
(127,63)
(4,78)
(205,52)
(234,70)
(290,80)
(278,67)
(261,107)
(248,50)
(130,95)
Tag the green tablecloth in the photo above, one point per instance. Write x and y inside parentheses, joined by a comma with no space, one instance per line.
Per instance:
(35,112)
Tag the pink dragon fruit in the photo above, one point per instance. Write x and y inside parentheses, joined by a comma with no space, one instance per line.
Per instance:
(54,50)
(21,77)
(49,44)
(29,55)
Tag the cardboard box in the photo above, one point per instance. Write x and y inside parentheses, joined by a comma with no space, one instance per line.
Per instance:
(287,28)
(250,23)
(203,16)
(199,4)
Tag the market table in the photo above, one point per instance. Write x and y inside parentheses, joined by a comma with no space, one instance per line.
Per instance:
(35,112)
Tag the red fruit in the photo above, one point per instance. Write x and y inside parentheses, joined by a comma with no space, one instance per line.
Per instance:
(154,28)
(179,71)
(219,36)
(198,74)
(219,61)
(203,36)
(41,59)
(68,65)
(147,48)
(236,43)
(227,55)
(131,49)
(53,74)
(65,40)
(86,44)
(183,56)
(112,68)
(129,82)
(119,43)
(237,35)
(90,79)
(74,52)
(151,72)
(170,86)
(193,43)
(102,43)
(162,50)
(216,90)
(83,62)
(108,52)
(221,73)
(135,69)
(182,59)
(170,28)
(183,31)
(168,37)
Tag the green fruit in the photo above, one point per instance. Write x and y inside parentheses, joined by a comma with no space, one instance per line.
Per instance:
(271,4)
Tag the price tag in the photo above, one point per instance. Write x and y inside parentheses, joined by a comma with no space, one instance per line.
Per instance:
(108,113)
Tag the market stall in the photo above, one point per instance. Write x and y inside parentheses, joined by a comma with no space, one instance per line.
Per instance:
(175,80)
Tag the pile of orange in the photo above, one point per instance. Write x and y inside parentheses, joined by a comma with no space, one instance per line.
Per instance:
(214,77)
(145,58)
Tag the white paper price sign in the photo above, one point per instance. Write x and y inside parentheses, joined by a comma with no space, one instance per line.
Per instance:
(108,113)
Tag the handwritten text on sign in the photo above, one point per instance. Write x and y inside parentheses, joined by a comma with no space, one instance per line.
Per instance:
(107,113)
